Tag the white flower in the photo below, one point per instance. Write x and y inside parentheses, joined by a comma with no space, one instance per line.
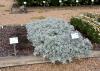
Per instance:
(25,2)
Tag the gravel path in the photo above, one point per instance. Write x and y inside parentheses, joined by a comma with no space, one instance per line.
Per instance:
(36,13)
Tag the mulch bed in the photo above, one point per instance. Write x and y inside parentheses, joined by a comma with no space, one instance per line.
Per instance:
(14,31)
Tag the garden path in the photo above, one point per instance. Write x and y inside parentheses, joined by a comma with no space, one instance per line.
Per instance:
(40,12)
(22,60)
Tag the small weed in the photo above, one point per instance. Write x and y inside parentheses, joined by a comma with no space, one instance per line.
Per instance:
(40,11)
(2,5)
(39,17)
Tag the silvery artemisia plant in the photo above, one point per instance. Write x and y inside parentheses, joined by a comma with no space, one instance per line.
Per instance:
(52,40)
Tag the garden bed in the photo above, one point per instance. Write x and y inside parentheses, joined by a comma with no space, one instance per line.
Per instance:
(23,47)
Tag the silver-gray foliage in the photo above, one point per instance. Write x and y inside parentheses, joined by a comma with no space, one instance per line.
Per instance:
(52,39)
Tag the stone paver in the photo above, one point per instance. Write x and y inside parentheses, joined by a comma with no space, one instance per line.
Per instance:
(23,60)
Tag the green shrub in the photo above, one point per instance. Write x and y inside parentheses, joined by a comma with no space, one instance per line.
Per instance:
(98,19)
(86,29)
(29,2)
(56,2)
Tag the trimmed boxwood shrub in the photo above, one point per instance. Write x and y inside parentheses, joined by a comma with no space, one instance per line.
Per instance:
(87,29)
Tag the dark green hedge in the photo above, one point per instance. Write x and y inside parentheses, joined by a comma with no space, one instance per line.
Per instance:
(56,2)
(29,2)
(86,29)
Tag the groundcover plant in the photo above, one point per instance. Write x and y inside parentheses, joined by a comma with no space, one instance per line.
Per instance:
(57,40)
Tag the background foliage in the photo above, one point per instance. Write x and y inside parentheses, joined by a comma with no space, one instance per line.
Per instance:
(56,2)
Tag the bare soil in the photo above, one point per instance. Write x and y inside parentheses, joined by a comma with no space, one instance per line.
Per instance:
(38,13)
